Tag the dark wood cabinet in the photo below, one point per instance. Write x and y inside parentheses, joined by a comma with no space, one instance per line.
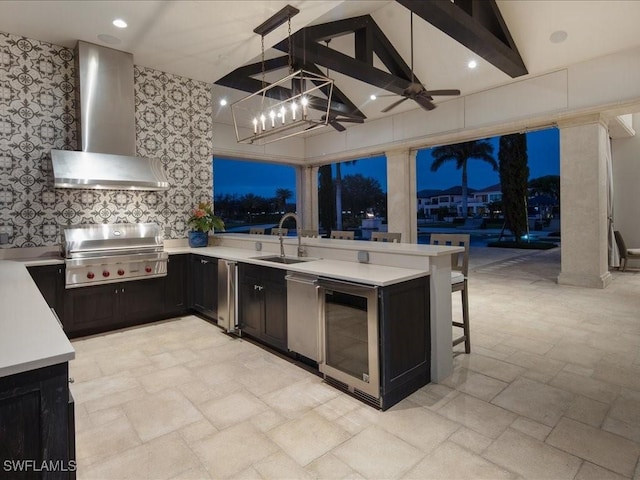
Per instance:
(35,424)
(176,285)
(263,304)
(106,307)
(203,287)
(405,339)
(50,281)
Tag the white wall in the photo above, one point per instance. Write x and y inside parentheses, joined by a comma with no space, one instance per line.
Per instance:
(625,154)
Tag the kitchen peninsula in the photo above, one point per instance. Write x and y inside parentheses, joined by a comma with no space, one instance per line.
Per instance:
(388,263)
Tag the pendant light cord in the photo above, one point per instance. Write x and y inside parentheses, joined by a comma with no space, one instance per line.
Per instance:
(263,82)
(411,28)
(290,49)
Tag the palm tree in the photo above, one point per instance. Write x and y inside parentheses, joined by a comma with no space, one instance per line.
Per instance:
(282,195)
(461,153)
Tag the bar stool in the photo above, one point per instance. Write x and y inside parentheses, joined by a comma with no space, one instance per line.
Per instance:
(342,235)
(386,237)
(256,231)
(459,273)
(279,231)
(309,233)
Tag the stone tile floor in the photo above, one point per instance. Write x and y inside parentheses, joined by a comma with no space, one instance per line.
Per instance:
(550,390)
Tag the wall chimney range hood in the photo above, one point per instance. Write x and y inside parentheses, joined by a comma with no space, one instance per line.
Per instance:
(105,105)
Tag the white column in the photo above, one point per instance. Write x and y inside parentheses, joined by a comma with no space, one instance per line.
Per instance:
(583,204)
(402,206)
(441,334)
(307,197)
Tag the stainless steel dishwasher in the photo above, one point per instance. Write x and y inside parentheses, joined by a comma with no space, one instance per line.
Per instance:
(302,315)
(228,296)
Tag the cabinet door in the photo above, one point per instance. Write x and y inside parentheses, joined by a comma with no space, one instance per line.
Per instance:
(251,305)
(275,311)
(91,308)
(263,304)
(405,339)
(50,281)
(175,293)
(139,301)
(204,284)
(34,420)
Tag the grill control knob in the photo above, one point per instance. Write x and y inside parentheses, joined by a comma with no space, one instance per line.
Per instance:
(90,275)
(120,272)
(148,269)
(105,273)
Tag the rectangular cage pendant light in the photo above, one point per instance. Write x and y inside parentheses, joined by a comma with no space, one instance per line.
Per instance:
(295,104)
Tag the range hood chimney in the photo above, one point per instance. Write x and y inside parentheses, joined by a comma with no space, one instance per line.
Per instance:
(105,115)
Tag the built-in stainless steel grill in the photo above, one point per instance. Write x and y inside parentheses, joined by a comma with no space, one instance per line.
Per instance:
(98,254)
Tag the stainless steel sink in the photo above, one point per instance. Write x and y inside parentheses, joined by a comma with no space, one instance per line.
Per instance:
(285,260)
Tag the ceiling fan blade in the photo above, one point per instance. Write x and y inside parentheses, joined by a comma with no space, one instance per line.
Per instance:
(351,120)
(337,126)
(394,105)
(441,92)
(387,95)
(424,102)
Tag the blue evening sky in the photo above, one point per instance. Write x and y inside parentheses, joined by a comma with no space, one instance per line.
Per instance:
(239,177)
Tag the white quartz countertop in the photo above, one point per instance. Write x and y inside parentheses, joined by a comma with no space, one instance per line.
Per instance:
(366,273)
(30,335)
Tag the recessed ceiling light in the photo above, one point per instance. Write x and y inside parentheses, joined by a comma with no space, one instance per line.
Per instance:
(223,101)
(472,64)
(118,22)
(558,36)
(373,96)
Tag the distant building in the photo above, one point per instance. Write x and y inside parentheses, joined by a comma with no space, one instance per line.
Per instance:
(432,201)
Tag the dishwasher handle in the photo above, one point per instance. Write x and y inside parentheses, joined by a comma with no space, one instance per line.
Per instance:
(304,279)
(347,287)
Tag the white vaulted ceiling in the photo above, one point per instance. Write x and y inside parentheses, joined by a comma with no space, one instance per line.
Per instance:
(206,40)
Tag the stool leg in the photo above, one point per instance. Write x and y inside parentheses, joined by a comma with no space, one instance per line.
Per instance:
(465,318)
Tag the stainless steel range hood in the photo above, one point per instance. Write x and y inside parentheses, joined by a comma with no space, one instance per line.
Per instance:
(105,104)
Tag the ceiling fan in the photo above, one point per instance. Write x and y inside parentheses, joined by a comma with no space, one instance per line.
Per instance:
(335,119)
(416,91)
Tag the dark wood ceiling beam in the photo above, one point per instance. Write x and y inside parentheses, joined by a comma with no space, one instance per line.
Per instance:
(327,31)
(339,62)
(251,85)
(388,54)
(340,103)
(484,31)
(256,68)
(280,93)
(364,45)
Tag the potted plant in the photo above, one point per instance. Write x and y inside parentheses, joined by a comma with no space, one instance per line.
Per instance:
(201,221)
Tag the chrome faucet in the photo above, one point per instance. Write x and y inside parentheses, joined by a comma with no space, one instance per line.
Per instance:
(300,247)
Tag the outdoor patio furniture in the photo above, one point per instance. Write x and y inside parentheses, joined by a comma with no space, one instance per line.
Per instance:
(279,231)
(625,252)
(256,231)
(309,233)
(342,235)
(459,274)
(386,237)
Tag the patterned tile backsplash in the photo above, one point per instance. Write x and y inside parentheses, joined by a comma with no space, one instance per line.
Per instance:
(37,114)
